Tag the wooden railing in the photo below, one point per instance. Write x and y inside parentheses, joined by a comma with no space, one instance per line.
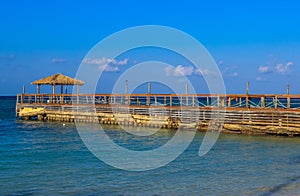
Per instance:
(271,101)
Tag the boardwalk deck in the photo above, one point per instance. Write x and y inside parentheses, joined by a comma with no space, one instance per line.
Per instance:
(259,114)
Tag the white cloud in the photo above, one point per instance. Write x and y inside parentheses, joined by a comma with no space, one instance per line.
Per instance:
(108,68)
(58,60)
(103,61)
(106,64)
(283,68)
(235,74)
(289,64)
(272,67)
(179,70)
(123,62)
(280,68)
(201,72)
(259,78)
(169,70)
(264,69)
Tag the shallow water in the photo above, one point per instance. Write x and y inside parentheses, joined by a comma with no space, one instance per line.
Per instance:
(49,158)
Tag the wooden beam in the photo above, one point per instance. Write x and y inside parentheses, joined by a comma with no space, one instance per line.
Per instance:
(61,89)
(186,88)
(149,88)
(38,89)
(247,94)
(262,102)
(53,89)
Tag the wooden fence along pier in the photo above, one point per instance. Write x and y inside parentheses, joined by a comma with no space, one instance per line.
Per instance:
(277,114)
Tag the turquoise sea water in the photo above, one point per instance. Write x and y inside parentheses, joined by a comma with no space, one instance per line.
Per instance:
(47,158)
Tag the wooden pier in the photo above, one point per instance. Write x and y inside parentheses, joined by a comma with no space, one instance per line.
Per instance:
(277,114)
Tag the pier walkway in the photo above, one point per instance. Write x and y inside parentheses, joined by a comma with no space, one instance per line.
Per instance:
(258,114)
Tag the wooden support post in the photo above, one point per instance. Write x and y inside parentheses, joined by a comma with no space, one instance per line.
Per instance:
(275,102)
(229,102)
(165,100)
(171,100)
(61,93)
(38,89)
(247,93)
(186,94)
(53,92)
(53,89)
(187,100)
(207,101)
(149,88)
(218,100)
(127,100)
(148,92)
(193,100)
(23,94)
(77,94)
(262,102)
(186,88)
(61,89)
(247,88)
(39,92)
(288,101)
(148,100)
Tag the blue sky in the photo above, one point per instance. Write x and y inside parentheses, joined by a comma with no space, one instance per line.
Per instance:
(255,41)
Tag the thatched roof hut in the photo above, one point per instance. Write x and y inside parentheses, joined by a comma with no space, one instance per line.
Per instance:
(57,79)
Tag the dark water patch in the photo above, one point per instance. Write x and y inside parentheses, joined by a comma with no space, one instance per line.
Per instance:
(135,140)
(279,188)
(295,159)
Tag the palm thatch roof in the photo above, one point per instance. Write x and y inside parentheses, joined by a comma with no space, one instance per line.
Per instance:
(58,79)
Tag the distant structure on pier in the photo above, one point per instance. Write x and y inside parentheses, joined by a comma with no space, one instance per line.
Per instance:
(56,80)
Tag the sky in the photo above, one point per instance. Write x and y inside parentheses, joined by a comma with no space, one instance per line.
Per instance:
(255,41)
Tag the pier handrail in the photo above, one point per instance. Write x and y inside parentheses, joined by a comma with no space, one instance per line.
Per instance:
(275,101)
